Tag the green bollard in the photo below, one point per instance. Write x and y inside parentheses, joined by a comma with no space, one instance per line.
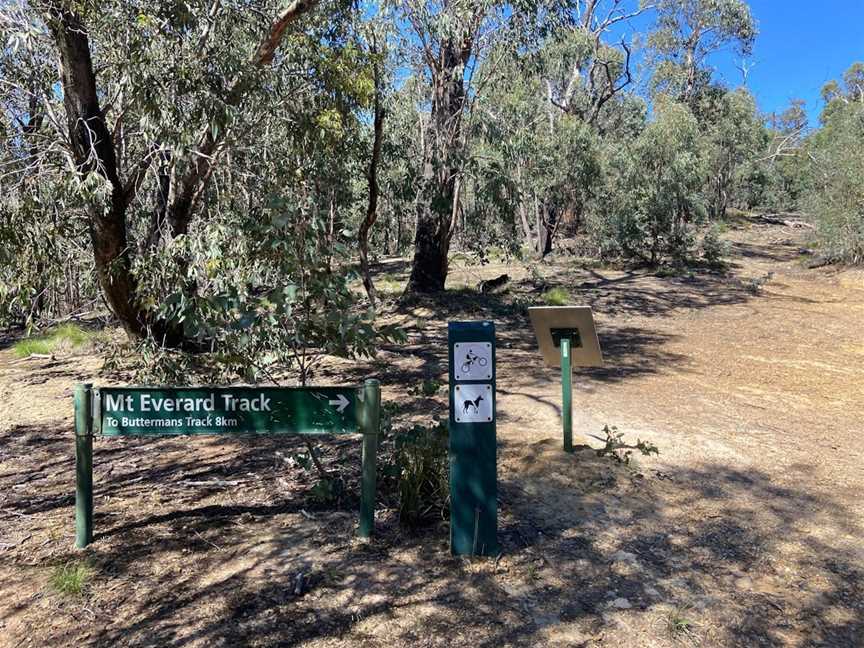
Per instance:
(83,466)
(567,393)
(370,416)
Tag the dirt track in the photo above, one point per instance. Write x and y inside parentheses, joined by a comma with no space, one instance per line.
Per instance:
(745,531)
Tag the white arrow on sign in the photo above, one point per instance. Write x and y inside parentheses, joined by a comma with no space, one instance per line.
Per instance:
(340,403)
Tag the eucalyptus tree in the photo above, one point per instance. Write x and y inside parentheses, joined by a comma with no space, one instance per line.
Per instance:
(156,97)
(376,43)
(656,188)
(451,41)
(447,38)
(734,135)
(688,33)
(586,61)
(836,169)
(773,178)
(534,169)
(31,208)
(585,67)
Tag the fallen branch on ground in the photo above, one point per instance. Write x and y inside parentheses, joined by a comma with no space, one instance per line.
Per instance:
(786,222)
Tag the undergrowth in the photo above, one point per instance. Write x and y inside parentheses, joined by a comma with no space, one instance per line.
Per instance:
(556,297)
(65,336)
(415,470)
(621,451)
(71,578)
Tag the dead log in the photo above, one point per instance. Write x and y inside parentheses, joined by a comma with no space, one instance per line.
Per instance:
(819,262)
(778,219)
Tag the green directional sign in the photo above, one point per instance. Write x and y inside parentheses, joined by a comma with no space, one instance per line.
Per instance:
(225,410)
(159,411)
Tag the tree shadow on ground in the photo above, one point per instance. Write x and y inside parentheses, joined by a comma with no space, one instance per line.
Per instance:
(588,547)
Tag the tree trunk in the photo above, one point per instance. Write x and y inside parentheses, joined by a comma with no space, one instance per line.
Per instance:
(526,228)
(538,221)
(399,228)
(93,152)
(550,225)
(437,193)
(431,243)
(372,205)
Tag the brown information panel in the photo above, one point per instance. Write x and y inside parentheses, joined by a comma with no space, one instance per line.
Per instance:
(551,323)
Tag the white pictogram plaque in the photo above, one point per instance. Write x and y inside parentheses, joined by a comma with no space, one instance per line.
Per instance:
(473,403)
(472,360)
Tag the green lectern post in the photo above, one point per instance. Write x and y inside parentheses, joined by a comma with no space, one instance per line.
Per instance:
(567,338)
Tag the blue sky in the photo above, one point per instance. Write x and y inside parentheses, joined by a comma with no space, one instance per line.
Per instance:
(802,44)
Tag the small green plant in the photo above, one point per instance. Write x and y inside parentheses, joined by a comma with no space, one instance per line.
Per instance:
(388,285)
(679,623)
(535,276)
(71,579)
(64,336)
(427,388)
(32,346)
(616,448)
(713,247)
(420,467)
(519,305)
(556,297)
(327,491)
(754,285)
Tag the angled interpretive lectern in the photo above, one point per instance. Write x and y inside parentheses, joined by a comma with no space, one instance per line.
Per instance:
(567,338)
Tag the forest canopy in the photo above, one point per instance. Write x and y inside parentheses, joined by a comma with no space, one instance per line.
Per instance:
(216,171)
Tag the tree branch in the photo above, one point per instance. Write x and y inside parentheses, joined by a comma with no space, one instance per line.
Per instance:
(192,184)
(267,48)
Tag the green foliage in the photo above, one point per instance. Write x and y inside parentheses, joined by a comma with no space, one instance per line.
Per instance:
(71,579)
(556,297)
(327,491)
(836,171)
(65,336)
(272,301)
(713,248)
(553,141)
(31,346)
(679,622)
(418,470)
(733,136)
(535,177)
(688,33)
(619,450)
(429,387)
(655,193)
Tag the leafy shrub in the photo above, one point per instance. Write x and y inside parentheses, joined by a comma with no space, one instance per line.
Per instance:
(835,170)
(429,387)
(327,491)
(713,248)
(417,470)
(422,456)
(655,190)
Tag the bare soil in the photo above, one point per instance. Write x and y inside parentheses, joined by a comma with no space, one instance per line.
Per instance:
(745,531)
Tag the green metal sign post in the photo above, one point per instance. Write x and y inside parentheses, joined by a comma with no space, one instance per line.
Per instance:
(473,443)
(83,467)
(158,411)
